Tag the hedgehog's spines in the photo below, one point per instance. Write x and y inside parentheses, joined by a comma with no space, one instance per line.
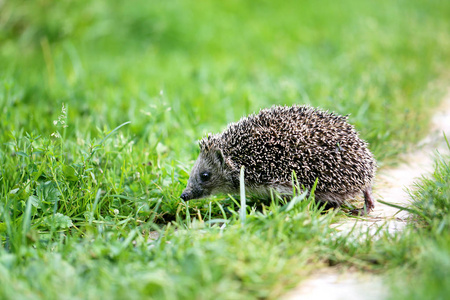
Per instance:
(282,139)
(209,142)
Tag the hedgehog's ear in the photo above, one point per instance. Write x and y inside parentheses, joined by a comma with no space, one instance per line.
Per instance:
(219,155)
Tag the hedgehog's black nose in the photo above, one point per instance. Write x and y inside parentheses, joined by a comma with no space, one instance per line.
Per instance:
(189,194)
(184,196)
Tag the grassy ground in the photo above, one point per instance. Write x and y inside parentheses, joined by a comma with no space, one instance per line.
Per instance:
(102,103)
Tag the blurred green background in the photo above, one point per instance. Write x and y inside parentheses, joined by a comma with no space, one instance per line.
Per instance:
(178,69)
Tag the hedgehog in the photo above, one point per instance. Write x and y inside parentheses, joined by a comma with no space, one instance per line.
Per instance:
(278,141)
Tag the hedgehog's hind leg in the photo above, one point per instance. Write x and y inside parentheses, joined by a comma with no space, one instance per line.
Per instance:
(369,204)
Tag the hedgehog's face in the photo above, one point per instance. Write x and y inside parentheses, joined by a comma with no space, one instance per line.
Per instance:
(208,176)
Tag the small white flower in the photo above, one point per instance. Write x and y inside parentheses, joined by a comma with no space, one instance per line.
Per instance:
(62,118)
(56,135)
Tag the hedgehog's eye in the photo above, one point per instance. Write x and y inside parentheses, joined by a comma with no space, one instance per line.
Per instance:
(205,176)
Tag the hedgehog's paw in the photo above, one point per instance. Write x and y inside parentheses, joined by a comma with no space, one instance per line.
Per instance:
(360,212)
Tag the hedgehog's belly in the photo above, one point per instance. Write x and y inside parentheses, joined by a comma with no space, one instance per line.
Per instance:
(335,199)
(265,191)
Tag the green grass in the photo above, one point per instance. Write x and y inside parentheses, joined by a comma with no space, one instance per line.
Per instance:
(424,275)
(102,103)
(188,263)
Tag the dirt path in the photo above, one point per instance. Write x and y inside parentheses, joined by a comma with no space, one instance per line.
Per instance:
(391,186)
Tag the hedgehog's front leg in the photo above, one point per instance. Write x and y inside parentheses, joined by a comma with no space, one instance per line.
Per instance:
(369,204)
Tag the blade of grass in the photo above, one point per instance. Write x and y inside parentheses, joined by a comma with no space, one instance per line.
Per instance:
(408,209)
(243,211)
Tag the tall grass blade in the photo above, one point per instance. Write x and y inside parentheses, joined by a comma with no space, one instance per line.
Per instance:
(94,207)
(243,211)
(26,220)
(408,209)
(113,131)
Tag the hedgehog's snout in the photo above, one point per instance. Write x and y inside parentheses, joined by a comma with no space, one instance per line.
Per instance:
(189,194)
(186,196)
